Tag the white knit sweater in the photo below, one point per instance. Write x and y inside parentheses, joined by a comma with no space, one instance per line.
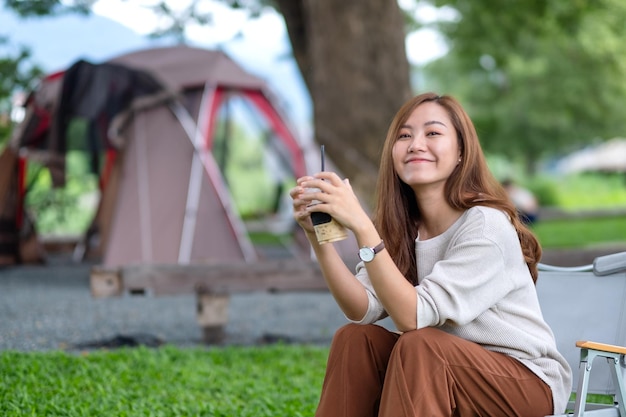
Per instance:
(474,283)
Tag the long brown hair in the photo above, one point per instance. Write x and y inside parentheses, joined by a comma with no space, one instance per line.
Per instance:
(471,184)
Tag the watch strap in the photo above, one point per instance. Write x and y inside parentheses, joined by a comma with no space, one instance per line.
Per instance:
(378,247)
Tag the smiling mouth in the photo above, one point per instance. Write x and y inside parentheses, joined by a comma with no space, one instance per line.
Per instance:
(417,160)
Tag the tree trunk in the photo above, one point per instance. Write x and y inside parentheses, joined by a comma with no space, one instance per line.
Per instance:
(353,59)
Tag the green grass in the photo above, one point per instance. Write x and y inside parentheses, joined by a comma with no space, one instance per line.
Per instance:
(275,380)
(577,233)
(599,399)
(267,381)
(591,191)
(593,399)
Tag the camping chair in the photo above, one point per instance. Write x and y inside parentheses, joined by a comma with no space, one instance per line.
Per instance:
(586,308)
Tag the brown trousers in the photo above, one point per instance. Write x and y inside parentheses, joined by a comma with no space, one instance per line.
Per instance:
(427,373)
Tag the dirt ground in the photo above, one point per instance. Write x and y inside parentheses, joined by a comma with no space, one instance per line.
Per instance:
(51,307)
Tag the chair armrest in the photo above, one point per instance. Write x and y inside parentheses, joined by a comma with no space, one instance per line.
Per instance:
(609,264)
(602,265)
(603,347)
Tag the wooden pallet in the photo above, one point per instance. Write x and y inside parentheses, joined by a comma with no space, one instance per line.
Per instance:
(211,283)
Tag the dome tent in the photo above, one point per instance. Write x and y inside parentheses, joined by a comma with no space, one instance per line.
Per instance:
(153,114)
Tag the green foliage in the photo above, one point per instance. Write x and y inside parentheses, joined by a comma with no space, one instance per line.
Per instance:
(236,381)
(16,70)
(243,148)
(176,20)
(41,8)
(591,191)
(537,77)
(5,134)
(17,73)
(588,191)
(584,192)
(580,233)
(67,210)
(545,190)
(243,166)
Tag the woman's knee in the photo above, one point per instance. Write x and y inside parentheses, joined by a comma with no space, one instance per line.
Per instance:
(425,335)
(351,331)
(367,336)
(429,342)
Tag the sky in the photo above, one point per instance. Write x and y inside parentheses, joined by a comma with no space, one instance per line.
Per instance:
(269,31)
(260,45)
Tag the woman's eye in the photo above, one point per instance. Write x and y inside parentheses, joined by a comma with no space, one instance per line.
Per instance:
(404,136)
(432,133)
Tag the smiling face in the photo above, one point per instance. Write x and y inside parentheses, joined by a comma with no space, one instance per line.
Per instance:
(426,149)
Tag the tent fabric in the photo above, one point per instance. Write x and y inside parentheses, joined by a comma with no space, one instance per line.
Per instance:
(151,199)
(183,67)
(152,114)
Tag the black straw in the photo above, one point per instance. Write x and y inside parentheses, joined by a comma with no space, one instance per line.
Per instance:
(322,152)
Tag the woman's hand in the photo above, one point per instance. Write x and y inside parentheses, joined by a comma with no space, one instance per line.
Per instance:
(326,192)
(300,212)
(332,195)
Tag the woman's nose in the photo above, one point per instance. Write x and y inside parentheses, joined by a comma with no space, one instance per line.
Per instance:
(417,144)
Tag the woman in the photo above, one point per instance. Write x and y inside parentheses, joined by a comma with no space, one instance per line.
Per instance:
(448,259)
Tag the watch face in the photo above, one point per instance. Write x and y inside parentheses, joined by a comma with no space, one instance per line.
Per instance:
(366,254)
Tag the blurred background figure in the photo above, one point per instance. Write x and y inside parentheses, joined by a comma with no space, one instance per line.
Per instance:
(524,200)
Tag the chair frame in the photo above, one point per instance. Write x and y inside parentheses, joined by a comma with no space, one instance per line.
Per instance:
(590,351)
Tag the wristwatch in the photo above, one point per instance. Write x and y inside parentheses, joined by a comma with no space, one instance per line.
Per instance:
(367,254)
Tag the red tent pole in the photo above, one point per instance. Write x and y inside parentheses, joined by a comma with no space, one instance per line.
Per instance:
(218,97)
(288,138)
(111,155)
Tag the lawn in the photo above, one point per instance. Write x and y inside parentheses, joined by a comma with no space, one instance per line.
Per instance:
(268,381)
(578,233)
(264,381)
(576,193)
